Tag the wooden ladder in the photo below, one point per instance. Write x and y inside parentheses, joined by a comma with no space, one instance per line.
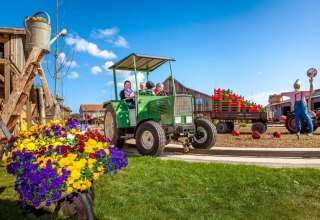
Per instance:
(11,112)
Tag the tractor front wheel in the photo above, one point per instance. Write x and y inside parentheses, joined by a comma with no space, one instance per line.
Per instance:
(206,135)
(111,129)
(150,138)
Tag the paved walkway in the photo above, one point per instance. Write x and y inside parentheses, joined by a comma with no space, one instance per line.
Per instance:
(271,157)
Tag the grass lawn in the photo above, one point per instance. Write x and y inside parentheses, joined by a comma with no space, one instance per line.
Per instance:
(151,188)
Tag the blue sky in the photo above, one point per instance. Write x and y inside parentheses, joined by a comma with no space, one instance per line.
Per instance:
(253,47)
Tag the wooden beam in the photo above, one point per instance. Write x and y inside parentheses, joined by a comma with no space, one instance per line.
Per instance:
(7,75)
(45,86)
(1,78)
(13,122)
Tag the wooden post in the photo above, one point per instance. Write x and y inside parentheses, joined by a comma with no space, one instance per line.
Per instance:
(7,74)
(42,107)
(29,113)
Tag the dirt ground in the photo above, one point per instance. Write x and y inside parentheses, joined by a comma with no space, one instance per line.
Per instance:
(245,140)
(267,140)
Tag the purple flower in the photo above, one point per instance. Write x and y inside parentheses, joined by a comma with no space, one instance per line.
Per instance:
(46,133)
(48,203)
(117,161)
(36,202)
(101,153)
(55,127)
(72,123)
(56,195)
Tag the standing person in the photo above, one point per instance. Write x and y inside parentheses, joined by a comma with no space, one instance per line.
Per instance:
(298,101)
(127,94)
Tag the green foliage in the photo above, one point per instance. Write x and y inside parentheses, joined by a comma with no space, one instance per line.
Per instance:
(151,188)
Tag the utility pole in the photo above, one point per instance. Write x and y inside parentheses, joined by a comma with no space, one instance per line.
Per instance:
(55,75)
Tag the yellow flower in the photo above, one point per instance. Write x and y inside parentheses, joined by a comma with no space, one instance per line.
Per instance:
(76,185)
(96,176)
(75,174)
(84,187)
(31,146)
(100,168)
(73,131)
(70,181)
(107,151)
(69,190)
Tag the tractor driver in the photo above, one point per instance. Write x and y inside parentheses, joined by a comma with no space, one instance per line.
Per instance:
(127,94)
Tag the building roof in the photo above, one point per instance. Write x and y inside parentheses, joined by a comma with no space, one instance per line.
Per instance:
(91,107)
(192,90)
(315,95)
(7,30)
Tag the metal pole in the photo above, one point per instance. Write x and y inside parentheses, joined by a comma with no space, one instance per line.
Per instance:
(147,76)
(135,76)
(173,85)
(115,84)
(55,76)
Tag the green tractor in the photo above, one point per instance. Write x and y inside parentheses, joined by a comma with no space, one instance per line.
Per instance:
(155,120)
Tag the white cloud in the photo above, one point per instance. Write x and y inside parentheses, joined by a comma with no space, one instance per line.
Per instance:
(62,59)
(73,75)
(104,33)
(109,83)
(121,42)
(82,45)
(95,70)
(111,36)
(107,65)
(263,98)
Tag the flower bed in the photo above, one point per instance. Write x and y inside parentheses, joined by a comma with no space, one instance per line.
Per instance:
(60,158)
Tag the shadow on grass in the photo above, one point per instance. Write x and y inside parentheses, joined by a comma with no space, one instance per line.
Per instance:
(12,210)
(2,190)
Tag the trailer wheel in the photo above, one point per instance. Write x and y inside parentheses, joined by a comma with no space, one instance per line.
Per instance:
(291,125)
(222,127)
(259,127)
(150,138)
(79,206)
(230,126)
(111,129)
(206,134)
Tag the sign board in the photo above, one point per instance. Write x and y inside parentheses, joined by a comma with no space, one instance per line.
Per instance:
(312,72)
(199,101)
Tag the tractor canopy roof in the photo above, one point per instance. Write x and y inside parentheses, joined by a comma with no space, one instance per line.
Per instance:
(144,63)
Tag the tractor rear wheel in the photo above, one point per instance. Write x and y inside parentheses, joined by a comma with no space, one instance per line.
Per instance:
(111,129)
(150,138)
(291,125)
(206,135)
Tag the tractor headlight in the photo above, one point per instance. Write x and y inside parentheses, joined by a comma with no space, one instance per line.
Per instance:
(177,120)
(189,119)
